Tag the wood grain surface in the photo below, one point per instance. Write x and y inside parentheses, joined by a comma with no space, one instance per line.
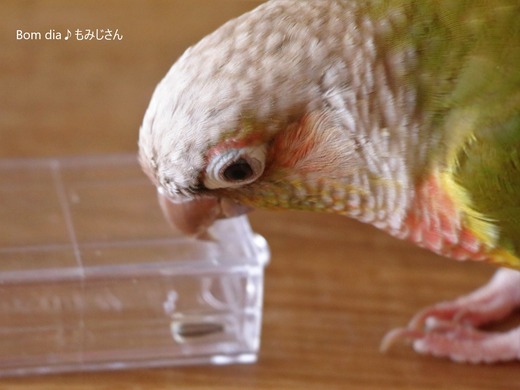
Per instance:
(334,286)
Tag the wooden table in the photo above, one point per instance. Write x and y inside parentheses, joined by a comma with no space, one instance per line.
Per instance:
(334,286)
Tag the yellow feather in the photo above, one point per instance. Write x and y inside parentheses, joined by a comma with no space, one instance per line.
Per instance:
(480,225)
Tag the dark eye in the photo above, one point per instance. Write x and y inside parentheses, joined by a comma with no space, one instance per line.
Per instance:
(233,168)
(239,170)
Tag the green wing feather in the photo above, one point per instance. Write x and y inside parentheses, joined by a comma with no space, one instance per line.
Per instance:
(489,170)
(468,77)
(467,73)
(473,91)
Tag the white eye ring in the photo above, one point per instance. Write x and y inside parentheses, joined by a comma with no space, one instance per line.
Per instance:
(235,167)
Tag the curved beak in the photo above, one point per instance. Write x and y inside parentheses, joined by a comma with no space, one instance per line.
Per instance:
(193,217)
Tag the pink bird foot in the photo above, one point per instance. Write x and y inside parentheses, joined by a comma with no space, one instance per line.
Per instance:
(449,329)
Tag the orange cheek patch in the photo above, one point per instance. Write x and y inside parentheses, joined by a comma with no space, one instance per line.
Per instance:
(291,145)
(314,145)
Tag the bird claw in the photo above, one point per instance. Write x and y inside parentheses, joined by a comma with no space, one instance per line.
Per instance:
(397,335)
(414,333)
(452,312)
(449,329)
(459,343)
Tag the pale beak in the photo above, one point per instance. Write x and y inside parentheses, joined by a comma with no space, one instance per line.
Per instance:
(193,217)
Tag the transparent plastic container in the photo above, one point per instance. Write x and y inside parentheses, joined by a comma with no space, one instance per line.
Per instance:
(91,276)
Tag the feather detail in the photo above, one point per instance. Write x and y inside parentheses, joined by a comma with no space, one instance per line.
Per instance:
(248,133)
(442,220)
(315,144)
(480,225)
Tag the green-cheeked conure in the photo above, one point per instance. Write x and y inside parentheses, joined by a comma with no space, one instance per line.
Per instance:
(401,114)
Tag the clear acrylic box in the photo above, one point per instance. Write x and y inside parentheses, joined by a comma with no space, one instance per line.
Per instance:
(91,276)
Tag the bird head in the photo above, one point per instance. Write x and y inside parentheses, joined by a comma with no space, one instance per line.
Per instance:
(261,113)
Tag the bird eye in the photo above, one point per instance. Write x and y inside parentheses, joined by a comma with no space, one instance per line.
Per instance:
(238,171)
(235,167)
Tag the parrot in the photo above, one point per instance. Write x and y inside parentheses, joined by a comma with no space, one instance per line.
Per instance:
(397,113)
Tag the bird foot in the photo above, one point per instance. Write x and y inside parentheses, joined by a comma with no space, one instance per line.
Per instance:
(450,329)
